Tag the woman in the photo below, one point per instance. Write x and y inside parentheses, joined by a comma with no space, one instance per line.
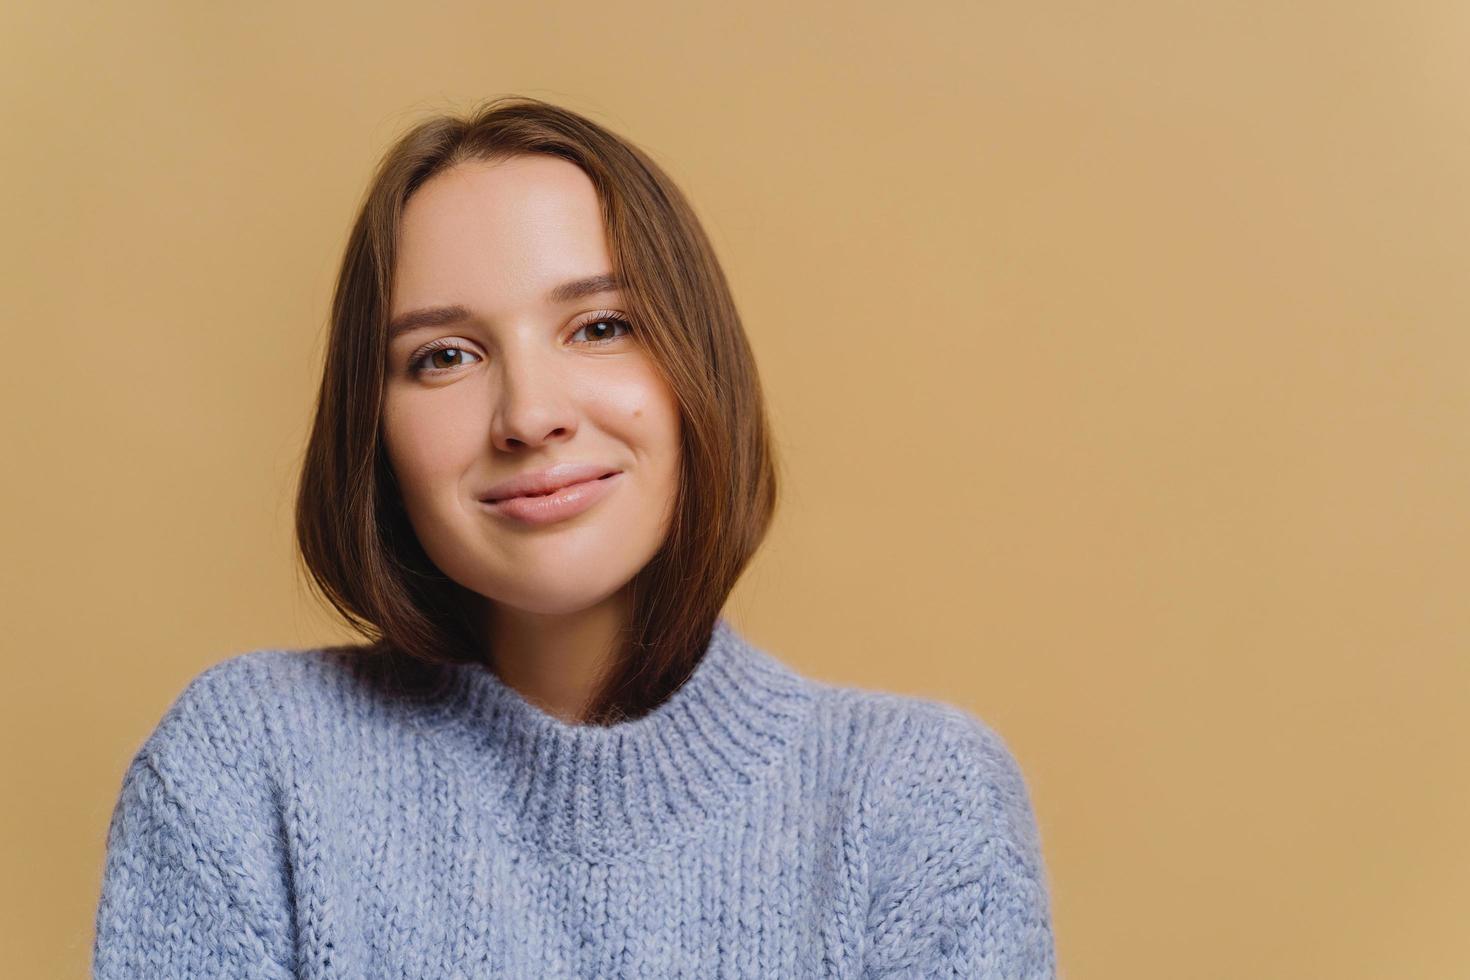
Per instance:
(539,463)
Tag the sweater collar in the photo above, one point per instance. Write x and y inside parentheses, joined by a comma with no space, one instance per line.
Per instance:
(598,791)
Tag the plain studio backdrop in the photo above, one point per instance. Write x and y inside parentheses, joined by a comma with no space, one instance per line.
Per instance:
(1117,355)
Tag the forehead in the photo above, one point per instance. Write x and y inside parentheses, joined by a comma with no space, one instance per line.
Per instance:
(499,232)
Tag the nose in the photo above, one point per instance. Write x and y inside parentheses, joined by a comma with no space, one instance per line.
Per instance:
(534,403)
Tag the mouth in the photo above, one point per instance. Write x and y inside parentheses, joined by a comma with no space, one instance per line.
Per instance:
(551,490)
(544,507)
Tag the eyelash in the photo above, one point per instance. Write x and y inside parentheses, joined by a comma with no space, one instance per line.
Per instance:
(417,361)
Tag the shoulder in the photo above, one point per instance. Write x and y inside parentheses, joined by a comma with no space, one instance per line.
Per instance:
(225,761)
(235,724)
(221,713)
(909,718)
(205,800)
(932,772)
(907,731)
(945,843)
(216,717)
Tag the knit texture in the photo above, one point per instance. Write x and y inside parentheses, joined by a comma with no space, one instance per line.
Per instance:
(292,815)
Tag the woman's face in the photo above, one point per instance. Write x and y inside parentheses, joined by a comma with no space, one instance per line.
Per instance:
(520,379)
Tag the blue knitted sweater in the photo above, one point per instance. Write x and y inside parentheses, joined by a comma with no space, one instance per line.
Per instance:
(292,816)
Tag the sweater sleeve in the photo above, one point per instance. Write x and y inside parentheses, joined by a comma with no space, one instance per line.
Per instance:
(958,887)
(195,881)
(165,909)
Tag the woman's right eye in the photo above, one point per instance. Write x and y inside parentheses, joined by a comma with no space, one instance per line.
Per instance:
(422,362)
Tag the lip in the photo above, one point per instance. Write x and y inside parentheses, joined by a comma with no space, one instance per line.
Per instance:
(546,480)
(572,488)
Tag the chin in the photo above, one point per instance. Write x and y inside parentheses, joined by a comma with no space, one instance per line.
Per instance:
(548,591)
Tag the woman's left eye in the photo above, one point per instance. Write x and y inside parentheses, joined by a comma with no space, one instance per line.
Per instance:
(602,320)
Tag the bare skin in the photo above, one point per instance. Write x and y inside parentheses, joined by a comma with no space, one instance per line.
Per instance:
(521,383)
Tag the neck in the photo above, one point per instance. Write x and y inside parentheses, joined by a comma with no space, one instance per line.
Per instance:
(556,660)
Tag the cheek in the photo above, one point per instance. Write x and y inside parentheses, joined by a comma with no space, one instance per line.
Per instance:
(425,445)
(655,417)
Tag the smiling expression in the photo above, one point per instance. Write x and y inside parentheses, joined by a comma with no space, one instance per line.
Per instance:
(507,356)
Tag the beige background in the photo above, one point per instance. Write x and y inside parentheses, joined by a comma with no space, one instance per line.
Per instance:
(1117,353)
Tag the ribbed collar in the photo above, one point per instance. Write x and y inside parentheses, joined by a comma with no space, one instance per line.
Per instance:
(600,791)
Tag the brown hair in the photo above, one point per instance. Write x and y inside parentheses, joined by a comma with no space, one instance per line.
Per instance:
(355,540)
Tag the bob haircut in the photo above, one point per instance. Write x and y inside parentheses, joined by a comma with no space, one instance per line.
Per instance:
(355,541)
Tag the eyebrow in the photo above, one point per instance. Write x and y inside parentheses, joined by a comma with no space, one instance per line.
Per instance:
(438,316)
